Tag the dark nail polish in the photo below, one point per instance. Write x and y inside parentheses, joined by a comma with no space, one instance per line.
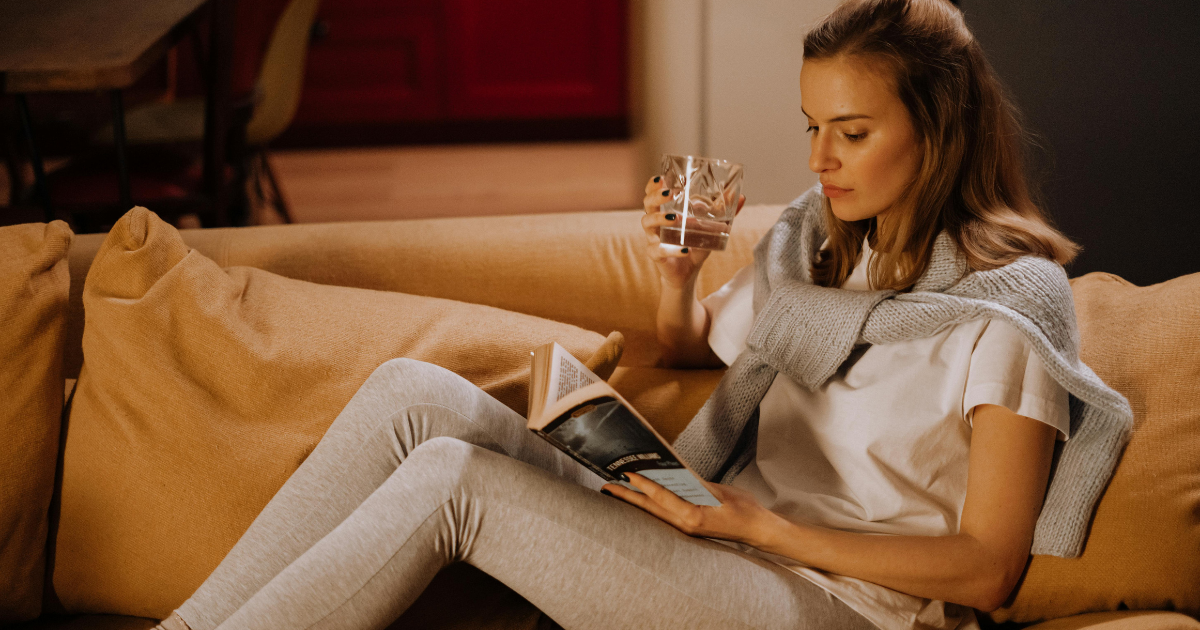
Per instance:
(623,477)
(657,179)
(606,493)
(666,193)
(684,250)
(670,216)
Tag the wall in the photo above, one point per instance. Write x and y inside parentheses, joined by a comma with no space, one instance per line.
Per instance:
(1113,87)
(752,95)
(667,82)
(746,106)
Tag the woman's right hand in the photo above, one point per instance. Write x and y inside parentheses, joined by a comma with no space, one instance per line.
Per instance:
(682,321)
(676,265)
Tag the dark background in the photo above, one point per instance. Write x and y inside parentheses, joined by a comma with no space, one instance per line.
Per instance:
(439,71)
(1113,88)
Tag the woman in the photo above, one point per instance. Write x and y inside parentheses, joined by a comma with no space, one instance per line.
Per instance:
(941,439)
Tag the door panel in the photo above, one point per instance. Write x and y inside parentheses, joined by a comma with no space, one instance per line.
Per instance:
(535,58)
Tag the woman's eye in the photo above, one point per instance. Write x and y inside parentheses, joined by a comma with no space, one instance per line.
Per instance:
(852,137)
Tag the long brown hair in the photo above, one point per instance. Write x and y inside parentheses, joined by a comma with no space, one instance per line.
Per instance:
(972,180)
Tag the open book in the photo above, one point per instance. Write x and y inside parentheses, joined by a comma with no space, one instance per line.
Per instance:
(581,415)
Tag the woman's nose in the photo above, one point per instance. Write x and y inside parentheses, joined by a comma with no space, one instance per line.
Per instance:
(822,158)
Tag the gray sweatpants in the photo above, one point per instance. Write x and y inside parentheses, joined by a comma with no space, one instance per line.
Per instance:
(422,469)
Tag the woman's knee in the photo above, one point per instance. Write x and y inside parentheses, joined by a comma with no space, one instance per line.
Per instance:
(417,401)
(402,382)
(394,385)
(451,459)
(405,369)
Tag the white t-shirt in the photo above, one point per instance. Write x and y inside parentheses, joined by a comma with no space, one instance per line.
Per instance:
(882,447)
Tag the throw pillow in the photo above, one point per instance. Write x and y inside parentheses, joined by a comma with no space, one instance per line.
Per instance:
(1143,551)
(33,303)
(203,388)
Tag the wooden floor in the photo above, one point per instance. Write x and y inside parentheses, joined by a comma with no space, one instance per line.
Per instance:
(440,181)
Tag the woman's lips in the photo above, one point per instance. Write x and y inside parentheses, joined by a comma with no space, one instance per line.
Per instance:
(833,191)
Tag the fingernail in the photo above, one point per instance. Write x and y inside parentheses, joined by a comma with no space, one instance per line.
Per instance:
(657,179)
(684,250)
(606,493)
(670,216)
(623,477)
(666,193)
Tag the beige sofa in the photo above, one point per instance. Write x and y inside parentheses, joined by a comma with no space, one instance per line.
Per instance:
(1141,568)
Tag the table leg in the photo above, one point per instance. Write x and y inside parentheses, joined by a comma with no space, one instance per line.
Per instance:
(197,37)
(118,114)
(40,189)
(217,105)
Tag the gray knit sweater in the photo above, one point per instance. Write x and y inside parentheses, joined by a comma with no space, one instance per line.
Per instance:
(806,331)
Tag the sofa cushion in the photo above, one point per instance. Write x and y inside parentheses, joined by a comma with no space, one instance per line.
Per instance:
(668,398)
(91,622)
(1143,551)
(33,306)
(203,388)
(1122,620)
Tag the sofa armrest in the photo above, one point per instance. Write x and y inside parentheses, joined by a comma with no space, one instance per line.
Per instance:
(1122,620)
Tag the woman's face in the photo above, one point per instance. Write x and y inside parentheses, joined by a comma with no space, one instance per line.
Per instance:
(863,140)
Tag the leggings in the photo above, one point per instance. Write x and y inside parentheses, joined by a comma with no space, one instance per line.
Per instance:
(423,469)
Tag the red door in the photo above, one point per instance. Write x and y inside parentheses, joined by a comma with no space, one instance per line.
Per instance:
(535,58)
(381,63)
(374,61)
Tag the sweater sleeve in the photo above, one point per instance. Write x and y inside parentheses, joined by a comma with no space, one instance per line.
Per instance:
(732,310)
(1004,371)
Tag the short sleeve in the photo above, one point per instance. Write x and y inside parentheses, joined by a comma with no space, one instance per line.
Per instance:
(1005,371)
(732,311)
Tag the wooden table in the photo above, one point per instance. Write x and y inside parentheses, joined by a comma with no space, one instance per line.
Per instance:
(106,45)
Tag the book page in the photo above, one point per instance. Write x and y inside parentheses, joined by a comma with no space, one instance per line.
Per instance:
(569,375)
(682,482)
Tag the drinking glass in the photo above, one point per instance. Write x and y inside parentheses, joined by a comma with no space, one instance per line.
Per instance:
(704,195)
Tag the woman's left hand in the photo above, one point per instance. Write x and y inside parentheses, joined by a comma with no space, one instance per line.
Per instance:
(740,517)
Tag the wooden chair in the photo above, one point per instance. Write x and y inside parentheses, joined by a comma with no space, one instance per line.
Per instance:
(264,113)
